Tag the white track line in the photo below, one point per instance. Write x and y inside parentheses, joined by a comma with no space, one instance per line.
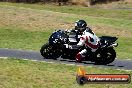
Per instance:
(3,57)
(66,64)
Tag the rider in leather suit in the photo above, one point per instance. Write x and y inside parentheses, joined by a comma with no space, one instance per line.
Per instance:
(87,39)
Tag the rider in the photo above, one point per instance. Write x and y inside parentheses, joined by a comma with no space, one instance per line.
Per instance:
(88,38)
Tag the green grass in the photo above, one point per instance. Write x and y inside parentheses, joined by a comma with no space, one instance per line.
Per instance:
(20,39)
(124,50)
(16,73)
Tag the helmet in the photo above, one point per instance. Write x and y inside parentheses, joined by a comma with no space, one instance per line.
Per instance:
(80,25)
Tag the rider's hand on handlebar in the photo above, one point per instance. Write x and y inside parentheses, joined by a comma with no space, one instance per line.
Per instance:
(66,45)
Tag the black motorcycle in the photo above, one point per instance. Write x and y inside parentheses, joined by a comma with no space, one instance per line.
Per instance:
(55,48)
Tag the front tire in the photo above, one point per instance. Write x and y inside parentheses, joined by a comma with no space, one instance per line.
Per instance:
(48,52)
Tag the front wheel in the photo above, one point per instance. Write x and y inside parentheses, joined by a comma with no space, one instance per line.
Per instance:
(106,56)
(48,52)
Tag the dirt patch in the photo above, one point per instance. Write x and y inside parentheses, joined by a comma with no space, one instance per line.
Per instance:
(114,5)
(110,31)
(31,19)
(41,20)
(128,1)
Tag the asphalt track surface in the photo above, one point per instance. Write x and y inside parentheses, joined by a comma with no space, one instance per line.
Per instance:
(35,55)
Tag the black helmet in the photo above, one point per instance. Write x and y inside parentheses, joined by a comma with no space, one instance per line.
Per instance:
(80,25)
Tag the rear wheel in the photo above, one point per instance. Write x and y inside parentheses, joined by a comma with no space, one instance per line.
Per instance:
(106,56)
(48,52)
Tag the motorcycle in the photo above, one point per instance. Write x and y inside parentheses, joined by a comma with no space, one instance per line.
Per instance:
(55,48)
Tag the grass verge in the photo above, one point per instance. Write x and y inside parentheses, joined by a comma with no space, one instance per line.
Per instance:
(15,73)
(98,12)
(20,39)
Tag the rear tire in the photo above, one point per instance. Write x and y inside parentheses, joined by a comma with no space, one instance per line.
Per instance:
(106,56)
